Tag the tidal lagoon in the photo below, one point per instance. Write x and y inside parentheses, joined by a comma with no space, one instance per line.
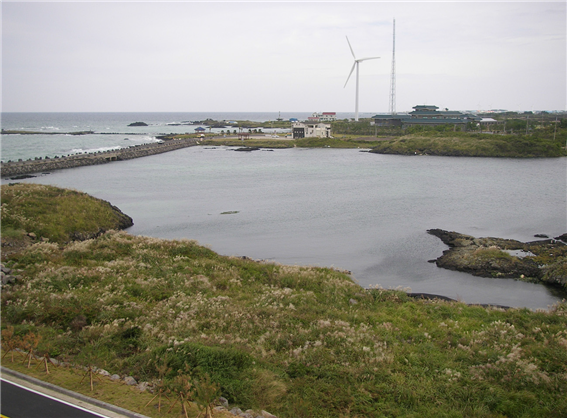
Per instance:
(348,209)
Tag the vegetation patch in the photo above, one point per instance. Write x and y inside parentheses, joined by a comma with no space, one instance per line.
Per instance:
(462,144)
(56,214)
(342,142)
(292,340)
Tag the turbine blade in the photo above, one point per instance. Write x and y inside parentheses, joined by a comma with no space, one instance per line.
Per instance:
(349,74)
(369,58)
(350,48)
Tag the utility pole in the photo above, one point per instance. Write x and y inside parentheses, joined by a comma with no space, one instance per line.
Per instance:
(527,122)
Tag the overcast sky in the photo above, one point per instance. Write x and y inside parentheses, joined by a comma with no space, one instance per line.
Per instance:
(281,56)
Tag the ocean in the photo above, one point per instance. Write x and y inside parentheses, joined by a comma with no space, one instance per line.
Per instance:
(349,209)
(111,130)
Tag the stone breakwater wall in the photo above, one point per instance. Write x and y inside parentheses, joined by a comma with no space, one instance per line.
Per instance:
(39,165)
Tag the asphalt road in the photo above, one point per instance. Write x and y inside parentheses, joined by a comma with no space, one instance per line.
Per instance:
(21,402)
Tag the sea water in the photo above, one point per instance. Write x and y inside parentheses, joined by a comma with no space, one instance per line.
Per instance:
(53,131)
(349,209)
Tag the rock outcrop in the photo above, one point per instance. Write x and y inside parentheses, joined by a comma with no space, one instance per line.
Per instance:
(541,261)
(7,276)
(247,149)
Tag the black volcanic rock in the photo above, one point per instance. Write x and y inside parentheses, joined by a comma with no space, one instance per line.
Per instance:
(138,124)
(247,149)
(540,261)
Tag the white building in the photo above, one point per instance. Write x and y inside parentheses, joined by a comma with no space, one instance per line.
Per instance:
(328,116)
(310,130)
(323,117)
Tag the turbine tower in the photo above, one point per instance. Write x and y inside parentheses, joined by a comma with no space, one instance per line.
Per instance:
(393,78)
(356,64)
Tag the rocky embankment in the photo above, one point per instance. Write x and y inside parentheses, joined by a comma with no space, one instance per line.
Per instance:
(539,261)
(41,165)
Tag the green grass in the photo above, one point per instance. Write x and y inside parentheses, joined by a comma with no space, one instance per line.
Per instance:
(345,141)
(457,144)
(492,253)
(14,233)
(54,213)
(473,145)
(295,341)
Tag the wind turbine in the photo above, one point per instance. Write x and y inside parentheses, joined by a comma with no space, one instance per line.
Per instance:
(356,63)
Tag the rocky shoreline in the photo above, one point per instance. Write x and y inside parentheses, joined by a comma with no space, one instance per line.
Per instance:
(543,261)
(15,169)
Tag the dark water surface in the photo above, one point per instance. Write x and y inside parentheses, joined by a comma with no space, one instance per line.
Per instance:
(353,210)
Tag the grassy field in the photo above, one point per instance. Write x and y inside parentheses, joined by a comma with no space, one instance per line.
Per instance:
(458,144)
(344,141)
(295,341)
(473,145)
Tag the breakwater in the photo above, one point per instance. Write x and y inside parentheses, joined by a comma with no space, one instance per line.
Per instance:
(40,165)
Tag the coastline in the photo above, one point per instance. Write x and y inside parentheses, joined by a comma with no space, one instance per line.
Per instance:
(28,167)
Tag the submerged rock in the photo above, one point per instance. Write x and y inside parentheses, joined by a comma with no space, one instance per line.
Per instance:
(23,177)
(247,149)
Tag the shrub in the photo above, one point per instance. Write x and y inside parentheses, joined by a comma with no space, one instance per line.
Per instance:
(227,367)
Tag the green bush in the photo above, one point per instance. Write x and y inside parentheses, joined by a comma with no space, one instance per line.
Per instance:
(229,368)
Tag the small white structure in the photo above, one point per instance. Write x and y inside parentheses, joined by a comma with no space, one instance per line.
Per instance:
(328,116)
(311,130)
(323,117)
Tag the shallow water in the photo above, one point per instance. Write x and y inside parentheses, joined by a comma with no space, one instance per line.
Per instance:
(353,210)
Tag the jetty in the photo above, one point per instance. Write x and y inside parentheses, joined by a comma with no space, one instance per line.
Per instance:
(42,165)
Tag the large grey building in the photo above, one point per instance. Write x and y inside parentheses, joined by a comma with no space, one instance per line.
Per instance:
(426,115)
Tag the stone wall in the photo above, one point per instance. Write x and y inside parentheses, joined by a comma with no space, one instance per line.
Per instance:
(39,165)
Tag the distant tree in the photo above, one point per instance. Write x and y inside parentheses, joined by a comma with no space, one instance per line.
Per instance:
(515,124)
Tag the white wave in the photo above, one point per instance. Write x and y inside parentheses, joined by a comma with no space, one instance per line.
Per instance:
(93,150)
(144,139)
